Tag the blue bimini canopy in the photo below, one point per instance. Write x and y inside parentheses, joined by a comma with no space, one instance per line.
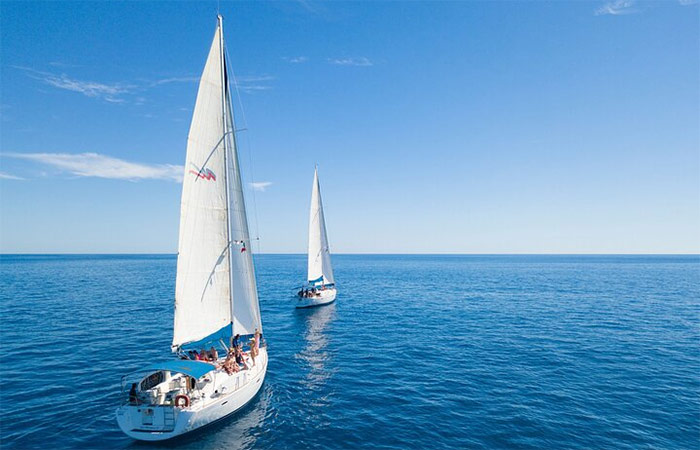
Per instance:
(195,369)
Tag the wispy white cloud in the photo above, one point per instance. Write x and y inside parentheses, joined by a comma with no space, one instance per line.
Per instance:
(687,2)
(254,83)
(296,59)
(111,92)
(102,166)
(108,92)
(359,61)
(617,8)
(132,92)
(7,176)
(260,185)
(169,80)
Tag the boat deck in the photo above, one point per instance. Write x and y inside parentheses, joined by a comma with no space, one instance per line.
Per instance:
(207,389)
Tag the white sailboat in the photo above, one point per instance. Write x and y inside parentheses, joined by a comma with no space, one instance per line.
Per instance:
(320,287)
(215,295)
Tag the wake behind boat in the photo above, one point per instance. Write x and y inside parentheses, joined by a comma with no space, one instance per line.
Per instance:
(320,287)
(216,300)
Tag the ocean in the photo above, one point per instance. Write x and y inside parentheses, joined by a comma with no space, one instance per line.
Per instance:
(426,352)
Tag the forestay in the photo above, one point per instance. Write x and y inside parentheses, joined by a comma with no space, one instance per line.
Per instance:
(319,264)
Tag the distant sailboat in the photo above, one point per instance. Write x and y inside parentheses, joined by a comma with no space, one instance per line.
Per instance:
(320,287)
(215,294)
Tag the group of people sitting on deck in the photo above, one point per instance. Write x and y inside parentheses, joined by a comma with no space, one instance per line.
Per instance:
(234,360)
(311,292)
(235,356)
(210,355)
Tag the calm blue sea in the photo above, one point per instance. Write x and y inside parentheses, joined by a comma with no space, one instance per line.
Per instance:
(574,352)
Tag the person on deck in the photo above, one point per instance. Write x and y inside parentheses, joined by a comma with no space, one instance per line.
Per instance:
(257,340)
(239,357)
(253,350)
(213,355)
(235,340)
(233,365)
(228,364)
(133,397)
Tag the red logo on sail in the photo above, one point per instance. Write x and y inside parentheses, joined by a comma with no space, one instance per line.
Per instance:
(203,173)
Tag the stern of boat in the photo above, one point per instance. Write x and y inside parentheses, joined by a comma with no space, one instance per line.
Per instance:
(224,395)
(152,422)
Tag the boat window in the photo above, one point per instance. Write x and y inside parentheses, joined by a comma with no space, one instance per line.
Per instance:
(152,380)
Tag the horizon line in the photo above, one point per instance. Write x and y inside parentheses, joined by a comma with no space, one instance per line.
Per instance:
(359,253)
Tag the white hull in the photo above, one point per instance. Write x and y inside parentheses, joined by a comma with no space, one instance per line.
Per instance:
(161,422)
(326,296)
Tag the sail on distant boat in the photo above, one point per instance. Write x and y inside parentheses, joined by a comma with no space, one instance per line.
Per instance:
(215,293)
(320,286)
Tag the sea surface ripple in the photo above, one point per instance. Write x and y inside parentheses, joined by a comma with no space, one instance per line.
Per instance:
(436,352)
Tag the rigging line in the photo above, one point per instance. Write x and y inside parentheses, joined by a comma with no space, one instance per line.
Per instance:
(250,152)
(211,153)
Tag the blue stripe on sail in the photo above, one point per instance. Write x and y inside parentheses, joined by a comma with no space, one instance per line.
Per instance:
(213,339)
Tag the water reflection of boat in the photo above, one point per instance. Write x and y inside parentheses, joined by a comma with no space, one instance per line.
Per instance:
(245,430)
(241,433)
(315,353)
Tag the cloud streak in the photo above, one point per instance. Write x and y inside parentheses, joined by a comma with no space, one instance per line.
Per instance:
(110,92)
(254,83)
(7,176)
(359,61)
(132,92)
(617,8)
(107,92)
(260,185)
(102,166)
(175,80)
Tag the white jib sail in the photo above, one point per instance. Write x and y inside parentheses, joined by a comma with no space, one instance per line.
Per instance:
(245,306)
(319,263)
(204,296)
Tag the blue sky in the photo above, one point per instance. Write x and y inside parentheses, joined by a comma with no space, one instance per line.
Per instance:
(459,127)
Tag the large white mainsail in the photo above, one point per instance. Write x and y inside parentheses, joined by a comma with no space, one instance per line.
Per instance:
(215,293)
(319,263)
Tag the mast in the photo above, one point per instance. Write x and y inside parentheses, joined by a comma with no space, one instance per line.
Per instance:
(220,24)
